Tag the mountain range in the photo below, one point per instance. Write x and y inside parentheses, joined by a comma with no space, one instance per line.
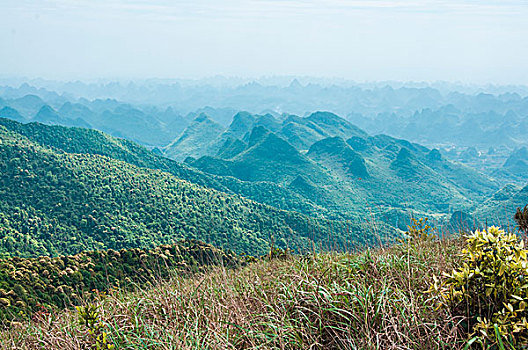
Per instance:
(98,194)
(319,165)
(346,169)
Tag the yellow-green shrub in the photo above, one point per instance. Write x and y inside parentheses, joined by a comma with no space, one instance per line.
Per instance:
(418,231)
(490,289)
(97,338)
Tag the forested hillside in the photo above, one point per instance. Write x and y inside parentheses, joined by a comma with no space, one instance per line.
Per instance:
(54,203)
(88,141)
(498,208)
(378,177)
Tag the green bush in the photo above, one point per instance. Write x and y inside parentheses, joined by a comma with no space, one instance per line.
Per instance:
(96,338)
(490,290)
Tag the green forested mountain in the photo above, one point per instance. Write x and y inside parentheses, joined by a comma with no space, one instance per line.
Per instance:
(88,141)
(195,140)
(77,140)
(335,152)
(47,115)
(53,202)
(134,124)
(27,105)
(8,112)
(350,177)
(332,177)
(517,163)
(359,177)
(482,123)
(498,208)
(267,158)
(205,137)
(303,132)
(149,126)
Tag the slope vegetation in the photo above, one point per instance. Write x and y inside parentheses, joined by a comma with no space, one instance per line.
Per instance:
(54,203)
(46,284)
(86,141)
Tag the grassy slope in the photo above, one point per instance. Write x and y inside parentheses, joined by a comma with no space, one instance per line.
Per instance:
(370,300)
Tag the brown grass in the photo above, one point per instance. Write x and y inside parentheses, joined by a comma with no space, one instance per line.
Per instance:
(371,300)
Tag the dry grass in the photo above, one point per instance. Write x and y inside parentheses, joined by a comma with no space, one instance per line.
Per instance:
(370,300)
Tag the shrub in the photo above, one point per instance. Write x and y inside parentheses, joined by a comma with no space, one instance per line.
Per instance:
(418,231)
(97,338)
(278,253)
(490,290)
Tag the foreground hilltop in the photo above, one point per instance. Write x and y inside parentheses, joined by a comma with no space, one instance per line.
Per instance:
(424,293)
(369,300)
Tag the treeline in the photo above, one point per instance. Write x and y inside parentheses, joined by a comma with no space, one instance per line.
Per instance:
(42,284)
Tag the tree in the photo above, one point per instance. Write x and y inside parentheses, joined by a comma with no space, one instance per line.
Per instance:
(521,217)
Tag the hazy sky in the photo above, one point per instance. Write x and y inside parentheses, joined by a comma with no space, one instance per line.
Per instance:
(453,40)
